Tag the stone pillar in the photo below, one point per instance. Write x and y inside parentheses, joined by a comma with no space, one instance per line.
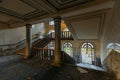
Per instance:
(57,53)
(28,40)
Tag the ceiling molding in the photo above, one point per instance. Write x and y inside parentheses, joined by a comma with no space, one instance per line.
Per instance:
(84,6)
(60,5)
(64,2)
(2,27)
(88,15)
(10,13)
(34,15)
(44,10)
(40,5)
(3,23)
(46,6)
(32,4)
(96,14)
(73,9)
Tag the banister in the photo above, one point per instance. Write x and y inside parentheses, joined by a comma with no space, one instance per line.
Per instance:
(43,53)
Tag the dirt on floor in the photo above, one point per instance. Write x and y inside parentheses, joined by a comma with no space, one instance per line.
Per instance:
(42,70)
(67,72)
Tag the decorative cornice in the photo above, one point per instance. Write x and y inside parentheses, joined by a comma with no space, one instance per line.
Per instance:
(44,10)
(3,23)
(60,5)
(40,5)
(59,13)
(10,13)
(46,6)
(88,15)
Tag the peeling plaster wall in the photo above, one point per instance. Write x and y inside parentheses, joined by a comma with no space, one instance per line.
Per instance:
(14,35)
(111,33)
(11,36)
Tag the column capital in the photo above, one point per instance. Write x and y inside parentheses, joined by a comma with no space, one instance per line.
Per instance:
(28,25)
(57,19)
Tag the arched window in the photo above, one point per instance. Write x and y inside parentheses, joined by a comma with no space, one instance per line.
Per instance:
(87,52)
(67,47)
(115,46)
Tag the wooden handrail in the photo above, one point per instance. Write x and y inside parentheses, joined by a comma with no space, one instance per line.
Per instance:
(42,43)
(41,49)
(64,35)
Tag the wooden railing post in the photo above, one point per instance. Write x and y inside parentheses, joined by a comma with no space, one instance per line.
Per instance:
(43,54)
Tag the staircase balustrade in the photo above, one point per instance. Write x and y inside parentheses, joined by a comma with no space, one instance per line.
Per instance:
(43,54)
(42,43)
(38,50)
(66,35)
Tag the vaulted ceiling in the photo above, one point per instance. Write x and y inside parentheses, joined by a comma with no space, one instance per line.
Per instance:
(16,13)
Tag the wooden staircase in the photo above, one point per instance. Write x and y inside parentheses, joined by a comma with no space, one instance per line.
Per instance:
(42,43)
(39,52)
(21,52)
(39,44)
(65,35)
(48,55)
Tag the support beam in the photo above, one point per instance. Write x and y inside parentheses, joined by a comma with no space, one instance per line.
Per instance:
(28,40)
(57,54)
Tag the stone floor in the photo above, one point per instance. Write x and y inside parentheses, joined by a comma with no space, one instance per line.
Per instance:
(16,68)
(89,66)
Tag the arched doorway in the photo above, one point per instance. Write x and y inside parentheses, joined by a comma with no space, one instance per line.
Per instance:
(87,53)
(67,47)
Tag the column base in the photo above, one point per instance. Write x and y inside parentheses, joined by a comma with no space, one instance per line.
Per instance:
(56,64)
(26,56)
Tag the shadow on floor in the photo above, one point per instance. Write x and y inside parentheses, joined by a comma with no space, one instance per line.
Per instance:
(20,69)
(72,73)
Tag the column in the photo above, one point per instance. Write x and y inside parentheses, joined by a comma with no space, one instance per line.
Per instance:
(28,40)
(57,53)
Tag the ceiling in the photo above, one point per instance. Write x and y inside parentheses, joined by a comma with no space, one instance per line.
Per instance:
(16,13)
(88,24)
(87,29)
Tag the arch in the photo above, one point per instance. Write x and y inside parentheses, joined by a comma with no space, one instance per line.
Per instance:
(87,53)
(67,47)
(115,46)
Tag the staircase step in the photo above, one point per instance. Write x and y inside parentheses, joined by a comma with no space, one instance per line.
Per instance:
(21,52)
